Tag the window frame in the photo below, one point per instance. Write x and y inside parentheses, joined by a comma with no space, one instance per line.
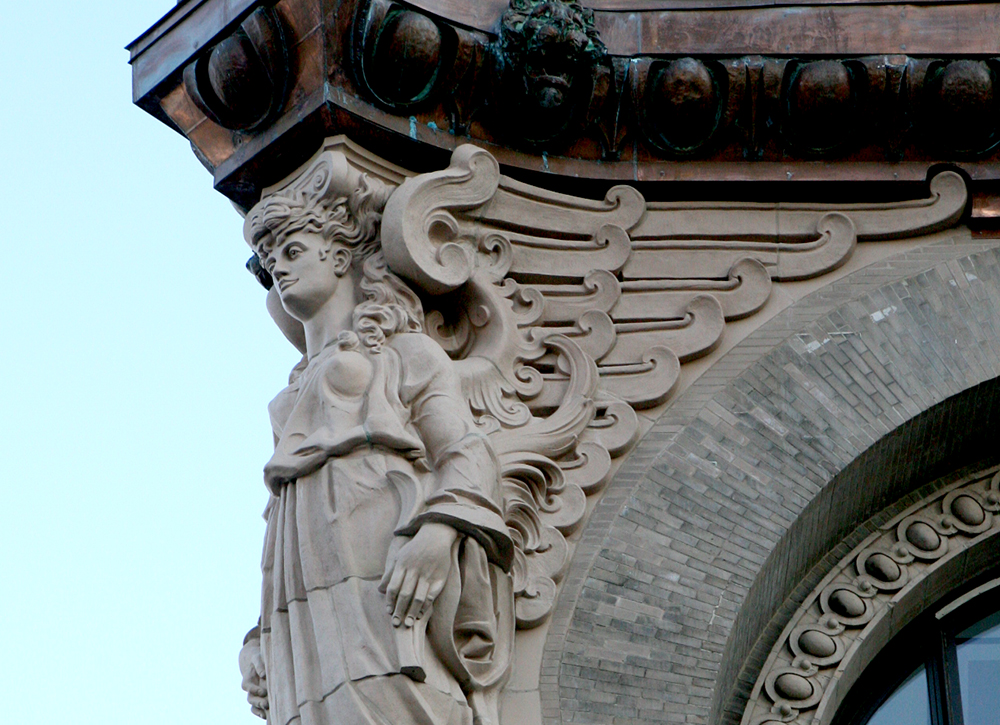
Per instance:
(929,641)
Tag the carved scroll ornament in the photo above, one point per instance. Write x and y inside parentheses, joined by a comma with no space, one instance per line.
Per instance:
(475,349)
(565,314)
(639,287)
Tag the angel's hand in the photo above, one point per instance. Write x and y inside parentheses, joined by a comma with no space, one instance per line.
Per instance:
(254,680)
(278,472)
(417,573)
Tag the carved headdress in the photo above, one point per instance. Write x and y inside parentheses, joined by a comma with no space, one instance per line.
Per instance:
(331,198)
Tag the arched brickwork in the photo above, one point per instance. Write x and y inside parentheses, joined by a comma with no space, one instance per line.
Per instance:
(691,561)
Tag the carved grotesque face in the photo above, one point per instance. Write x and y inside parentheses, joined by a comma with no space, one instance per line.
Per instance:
(549,48)
(306,269)
(555,48)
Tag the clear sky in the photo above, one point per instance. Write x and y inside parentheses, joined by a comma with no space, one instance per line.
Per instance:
(137,361)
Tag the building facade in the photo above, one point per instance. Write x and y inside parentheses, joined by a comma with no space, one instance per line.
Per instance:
(749,250)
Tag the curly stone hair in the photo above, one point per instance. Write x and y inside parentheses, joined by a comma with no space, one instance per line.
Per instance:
(390,306)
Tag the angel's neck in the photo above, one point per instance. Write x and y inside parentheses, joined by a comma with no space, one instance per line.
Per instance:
(335,316)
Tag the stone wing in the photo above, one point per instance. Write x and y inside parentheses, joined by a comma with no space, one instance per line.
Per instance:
(564,315)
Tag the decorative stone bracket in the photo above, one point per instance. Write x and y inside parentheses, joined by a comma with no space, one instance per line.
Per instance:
(563,315)
(641,287)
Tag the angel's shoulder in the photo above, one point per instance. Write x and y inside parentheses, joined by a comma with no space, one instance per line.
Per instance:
(416,348)
(422,361)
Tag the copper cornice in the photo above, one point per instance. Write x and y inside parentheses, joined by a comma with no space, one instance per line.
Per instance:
(718,91)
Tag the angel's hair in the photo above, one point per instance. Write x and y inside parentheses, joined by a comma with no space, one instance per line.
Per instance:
(390,306)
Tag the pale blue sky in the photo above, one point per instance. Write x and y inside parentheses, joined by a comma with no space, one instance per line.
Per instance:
(137,361)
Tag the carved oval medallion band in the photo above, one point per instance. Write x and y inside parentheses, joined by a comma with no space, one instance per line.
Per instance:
(548,63)
(870,594)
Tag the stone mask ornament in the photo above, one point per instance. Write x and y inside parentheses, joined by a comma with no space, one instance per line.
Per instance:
(544,60)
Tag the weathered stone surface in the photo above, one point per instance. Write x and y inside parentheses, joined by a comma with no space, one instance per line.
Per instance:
(864,613)
(776,389)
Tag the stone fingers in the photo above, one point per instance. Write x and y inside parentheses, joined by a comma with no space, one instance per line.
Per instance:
(404,596)
(256,691)
(392,580)
(419,603)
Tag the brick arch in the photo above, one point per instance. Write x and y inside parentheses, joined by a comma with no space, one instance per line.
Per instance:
(960,429)
(797,435)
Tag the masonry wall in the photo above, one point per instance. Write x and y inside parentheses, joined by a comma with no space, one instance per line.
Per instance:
(697,553)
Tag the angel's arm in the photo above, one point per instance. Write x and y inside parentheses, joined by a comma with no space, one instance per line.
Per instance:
(466,491)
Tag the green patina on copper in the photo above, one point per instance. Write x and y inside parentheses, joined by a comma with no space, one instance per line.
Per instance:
(546,54)
(559,28)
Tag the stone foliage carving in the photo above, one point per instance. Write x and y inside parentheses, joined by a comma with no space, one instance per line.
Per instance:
(824,644)
(474,352)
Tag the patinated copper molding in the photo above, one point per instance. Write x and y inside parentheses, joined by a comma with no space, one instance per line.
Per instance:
(659,25)
(537,87)
(242,82)
(552,86)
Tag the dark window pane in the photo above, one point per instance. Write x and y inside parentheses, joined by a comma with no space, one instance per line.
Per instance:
(908,705)
(979,671)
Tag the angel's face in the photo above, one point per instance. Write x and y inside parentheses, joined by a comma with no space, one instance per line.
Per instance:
(307,269)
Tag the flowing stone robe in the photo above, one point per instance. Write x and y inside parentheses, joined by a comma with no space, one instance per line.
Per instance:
(331,654)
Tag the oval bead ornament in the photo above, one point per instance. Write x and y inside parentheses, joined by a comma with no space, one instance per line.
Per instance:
(968,511)
(847,604)
(817,644)
(793,687)
(922,536)
(242,82)
(405,62)
(883,568)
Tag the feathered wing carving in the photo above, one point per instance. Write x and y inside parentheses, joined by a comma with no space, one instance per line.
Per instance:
(564,315)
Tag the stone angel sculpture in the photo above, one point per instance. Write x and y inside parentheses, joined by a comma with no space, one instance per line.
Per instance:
(474,350)
(387,591)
